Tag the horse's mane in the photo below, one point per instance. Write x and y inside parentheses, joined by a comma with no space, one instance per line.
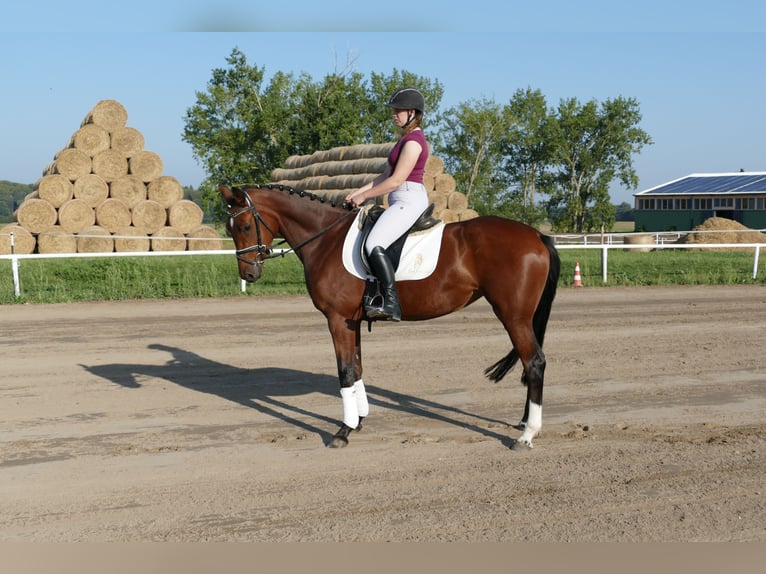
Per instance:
(297,192)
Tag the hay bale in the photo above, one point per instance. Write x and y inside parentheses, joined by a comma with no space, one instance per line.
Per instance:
(54,239)
(434,165)
(168,239)
(149,215)
(91,188)
(185,215)
(36,215)
(640,239)
(439,200)
(109,114)
(127,141)
(467,214)
(55,189)
(110,165)
(165,190)
(204,238)
(449,215)
(71,163)
(75,215)
(146,165)
(457,201)
(113,214)
(23,241)
(723,230)
(444,183)
(90,139)
(128,188)
(94,239)
(129,239)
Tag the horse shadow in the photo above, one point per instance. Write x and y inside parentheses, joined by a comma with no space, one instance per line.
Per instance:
(268,390)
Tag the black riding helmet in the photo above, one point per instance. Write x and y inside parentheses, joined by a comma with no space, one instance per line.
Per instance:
(407,99)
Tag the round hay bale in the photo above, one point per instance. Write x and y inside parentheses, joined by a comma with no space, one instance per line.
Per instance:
(204,238)
(131,239)
(168,239)
(439,200)
(127,141)
(91,188)
(94,239)
(54,239)
(146,165)
(457,201)
(110,165)
(185,215)
(449,215)
(467,214)
(642,239)
(90,139)
(55,189)
(75,215)
(428,181)
(32,195)
(113,214)
(35,215)
(109,114)
(165,190)
(434,165)
(23,241)
(444,183)
(128,188)
(149,215)
(71,163)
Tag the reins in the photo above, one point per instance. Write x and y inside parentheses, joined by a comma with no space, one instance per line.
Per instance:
(264,251)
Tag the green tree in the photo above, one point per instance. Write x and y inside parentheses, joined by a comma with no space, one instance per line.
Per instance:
(526,153)
(470,139)
(592,145)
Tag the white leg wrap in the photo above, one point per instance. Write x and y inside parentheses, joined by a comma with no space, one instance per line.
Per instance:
(362,405)
(534,424)
(350,408)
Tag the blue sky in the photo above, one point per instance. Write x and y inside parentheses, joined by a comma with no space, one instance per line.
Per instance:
(695,68)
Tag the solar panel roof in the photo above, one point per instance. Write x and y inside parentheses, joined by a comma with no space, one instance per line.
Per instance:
(712,183)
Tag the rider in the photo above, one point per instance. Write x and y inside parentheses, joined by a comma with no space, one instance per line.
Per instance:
(403,179)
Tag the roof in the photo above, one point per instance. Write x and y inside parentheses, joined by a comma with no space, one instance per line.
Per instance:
(749,182)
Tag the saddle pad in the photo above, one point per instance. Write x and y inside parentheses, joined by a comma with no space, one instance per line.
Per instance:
(419,254)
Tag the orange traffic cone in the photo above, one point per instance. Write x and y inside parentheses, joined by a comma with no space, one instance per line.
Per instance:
(577,278)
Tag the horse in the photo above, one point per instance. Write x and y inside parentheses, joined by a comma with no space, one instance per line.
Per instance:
(512,265)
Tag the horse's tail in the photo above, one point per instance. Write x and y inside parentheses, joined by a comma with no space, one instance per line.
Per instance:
(540,318)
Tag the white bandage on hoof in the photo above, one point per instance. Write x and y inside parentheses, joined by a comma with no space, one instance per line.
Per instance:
(534,424)
(363,407)
(350,408)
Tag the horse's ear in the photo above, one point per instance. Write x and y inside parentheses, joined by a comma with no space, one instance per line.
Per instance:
(226,193)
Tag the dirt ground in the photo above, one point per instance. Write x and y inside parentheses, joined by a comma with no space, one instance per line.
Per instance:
(206,420)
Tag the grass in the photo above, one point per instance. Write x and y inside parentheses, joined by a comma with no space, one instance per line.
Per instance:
(191,276)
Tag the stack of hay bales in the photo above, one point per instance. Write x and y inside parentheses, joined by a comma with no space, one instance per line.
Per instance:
(104,192)
(723,230)
(335,172)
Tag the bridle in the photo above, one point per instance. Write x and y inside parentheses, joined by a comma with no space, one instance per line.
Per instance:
(264,252)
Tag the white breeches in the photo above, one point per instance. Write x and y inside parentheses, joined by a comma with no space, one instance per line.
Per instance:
(405,205)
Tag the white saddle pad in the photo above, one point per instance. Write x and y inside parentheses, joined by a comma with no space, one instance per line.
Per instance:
(419,254)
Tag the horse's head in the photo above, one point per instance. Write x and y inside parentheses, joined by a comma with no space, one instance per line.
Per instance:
(251,234)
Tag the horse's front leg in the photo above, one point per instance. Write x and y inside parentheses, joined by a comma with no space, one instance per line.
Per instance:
(346,338)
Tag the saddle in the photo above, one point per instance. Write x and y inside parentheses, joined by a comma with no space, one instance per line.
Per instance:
(394,251)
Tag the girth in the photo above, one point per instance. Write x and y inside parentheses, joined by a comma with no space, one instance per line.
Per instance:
(394,251)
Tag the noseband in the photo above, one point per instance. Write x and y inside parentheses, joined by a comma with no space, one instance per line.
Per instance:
(261,251)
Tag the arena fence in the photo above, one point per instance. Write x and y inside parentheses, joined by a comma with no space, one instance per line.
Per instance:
(563,242)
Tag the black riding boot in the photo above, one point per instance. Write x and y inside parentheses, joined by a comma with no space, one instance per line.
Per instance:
(381,266)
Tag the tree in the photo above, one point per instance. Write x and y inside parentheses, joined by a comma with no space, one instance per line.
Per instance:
(592,145)
(470,139)
(526,152)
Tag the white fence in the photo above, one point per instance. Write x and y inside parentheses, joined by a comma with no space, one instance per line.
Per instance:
(606,242)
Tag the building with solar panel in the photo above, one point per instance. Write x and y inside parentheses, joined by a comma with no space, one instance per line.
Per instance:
(683,204)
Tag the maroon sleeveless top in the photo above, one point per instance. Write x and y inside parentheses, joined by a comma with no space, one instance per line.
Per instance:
(417,173)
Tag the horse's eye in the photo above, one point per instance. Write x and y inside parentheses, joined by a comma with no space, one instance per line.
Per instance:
(246,228)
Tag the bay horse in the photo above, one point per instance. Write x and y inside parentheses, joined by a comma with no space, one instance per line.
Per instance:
(514,266)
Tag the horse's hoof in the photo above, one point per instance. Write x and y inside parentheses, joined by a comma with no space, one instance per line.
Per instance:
(519,446)
(338,442)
